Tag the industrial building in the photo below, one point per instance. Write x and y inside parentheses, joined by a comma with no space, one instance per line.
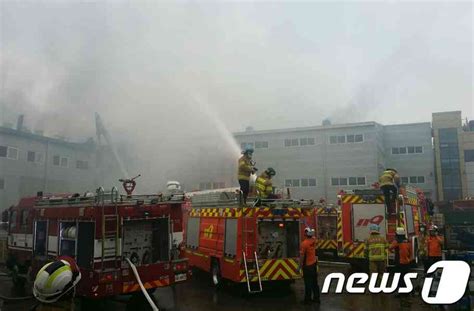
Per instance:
(454,154)
(31,162)
(319,161)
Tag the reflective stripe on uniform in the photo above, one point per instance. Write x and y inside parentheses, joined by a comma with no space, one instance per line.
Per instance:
(377,246)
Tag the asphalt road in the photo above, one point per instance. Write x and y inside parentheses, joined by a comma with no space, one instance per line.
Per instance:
(197,294)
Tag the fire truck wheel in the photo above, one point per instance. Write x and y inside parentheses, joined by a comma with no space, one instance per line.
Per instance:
(216,273)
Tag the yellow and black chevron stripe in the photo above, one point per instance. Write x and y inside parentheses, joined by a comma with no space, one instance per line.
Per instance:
(248,211)
(354,199)
(326,244)
(273,270)
(352,250)
(339,227)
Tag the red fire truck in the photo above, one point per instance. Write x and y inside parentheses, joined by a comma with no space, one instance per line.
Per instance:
(359,208)
(100,231)
(243,243)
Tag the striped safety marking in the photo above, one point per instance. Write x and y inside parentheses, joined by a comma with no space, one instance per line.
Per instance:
(247,211)
(129,287)
(352,250)
(273,270)
(359,199)
(323,210)
(326,244)
(339,227)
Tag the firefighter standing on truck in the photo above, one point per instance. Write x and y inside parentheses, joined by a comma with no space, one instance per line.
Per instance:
(376,250)
(434,245)
(264,186)
(309,265)
(245,169)
(402,248)
(389,184)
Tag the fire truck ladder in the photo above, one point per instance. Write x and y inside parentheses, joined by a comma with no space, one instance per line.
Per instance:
(108,221)
(246,246)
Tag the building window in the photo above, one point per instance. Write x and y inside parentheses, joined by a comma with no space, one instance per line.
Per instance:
(418,149)
(2,184)
(304,182)
(310,140)
(294,142)
(9,152)
(450,166)
(407,150)
(411,149)
(287,142)
(343,181)
(60,161)
(333,139)
(350,138)
(402,150)
(359,138)
(34,156)
(413,180)
(395,151)
(404,180)
(261,144)
(83,165)
(312,182)
(421,179)
(469,155)
(341,139)
(296,182)
(303,141)
(287,182)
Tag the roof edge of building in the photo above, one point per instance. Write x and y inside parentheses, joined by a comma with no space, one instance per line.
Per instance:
(307,128)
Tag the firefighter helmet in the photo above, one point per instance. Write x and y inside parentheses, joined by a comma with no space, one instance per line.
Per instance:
(400,231)
(374,228)
(308,231)
(270,171)
(247,150)
(56,279)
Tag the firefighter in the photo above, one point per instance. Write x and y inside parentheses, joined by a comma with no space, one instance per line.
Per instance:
(245,169)
(389,184)
(434,245)
(376,250)
(54,285)
(402,248)
(309,266)
(264,186)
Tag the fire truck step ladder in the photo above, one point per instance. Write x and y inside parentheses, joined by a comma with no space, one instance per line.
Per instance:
(110,232)
(250,276)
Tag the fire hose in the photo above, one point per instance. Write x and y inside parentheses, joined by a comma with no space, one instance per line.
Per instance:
(137,276)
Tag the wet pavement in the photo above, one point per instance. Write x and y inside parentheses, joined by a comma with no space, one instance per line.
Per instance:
(198,294)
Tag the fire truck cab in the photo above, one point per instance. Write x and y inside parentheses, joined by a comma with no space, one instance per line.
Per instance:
(99,231)
(244,243)
(359,208)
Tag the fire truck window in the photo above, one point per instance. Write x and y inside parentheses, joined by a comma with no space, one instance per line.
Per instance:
(13,220)
(192,232)
(230,246)
(85,244)
(327,226)
(24,218)
(41,235)
(160,241)
(278,239)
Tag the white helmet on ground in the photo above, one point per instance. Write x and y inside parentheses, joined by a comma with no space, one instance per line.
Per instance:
(55,279)
(308,231)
